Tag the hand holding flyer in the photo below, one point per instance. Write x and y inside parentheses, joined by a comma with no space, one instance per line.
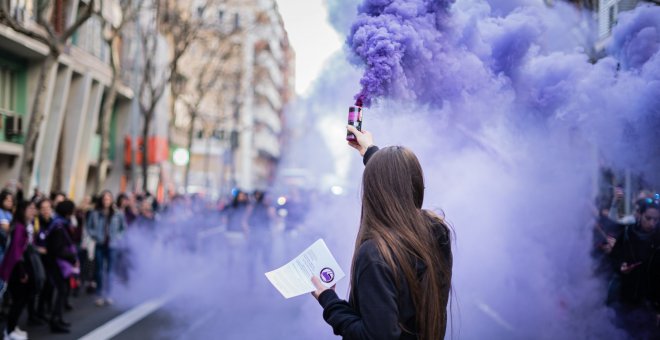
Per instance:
(293,278)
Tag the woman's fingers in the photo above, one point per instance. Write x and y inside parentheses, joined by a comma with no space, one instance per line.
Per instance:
(353,129)
(317,283)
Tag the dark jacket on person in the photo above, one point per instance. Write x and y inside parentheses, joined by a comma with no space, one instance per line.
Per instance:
(643,282)
(76,231)
(379,308)
(144,222)
(259,218)
(14,255)
(59,245)
(236,215)
(42,230)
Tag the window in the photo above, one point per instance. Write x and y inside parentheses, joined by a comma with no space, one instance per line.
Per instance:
(7,90)
(237,21)
(611,18)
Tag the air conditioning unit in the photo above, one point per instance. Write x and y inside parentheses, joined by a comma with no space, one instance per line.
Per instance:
(13,126)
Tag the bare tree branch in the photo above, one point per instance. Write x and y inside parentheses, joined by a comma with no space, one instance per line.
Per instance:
(43,22)
(131,14)
(79,22)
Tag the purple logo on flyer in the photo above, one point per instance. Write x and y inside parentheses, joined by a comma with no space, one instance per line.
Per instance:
(327,275)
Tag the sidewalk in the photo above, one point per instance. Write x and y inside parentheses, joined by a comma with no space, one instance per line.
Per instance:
(84,318)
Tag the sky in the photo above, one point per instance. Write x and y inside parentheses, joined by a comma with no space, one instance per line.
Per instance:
(312,37)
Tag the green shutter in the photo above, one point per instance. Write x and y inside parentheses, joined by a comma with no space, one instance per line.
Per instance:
(19,69)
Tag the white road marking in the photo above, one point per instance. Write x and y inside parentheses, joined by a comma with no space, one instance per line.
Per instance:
(126,320)
(494,315)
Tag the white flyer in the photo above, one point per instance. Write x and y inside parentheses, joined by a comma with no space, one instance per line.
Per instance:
(295,277)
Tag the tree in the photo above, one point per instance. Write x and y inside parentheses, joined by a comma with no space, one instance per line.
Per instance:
(183,28)
(56,37)
(204,81)
(112,37)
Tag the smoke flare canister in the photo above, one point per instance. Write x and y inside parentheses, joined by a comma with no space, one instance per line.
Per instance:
(355,119)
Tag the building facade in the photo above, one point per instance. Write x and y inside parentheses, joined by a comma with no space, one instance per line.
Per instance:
(606,14)
(237,135)
(67,150)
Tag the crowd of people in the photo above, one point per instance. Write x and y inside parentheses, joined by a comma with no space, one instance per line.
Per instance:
(51,249)
(627,253)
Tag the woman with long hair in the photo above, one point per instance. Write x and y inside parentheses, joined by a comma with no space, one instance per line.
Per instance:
(402,265)
(13,269)
(105,226)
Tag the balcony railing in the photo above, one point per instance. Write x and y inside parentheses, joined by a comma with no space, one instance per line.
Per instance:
(11,126)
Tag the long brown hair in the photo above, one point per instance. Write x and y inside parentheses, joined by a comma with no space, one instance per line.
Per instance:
(405,235)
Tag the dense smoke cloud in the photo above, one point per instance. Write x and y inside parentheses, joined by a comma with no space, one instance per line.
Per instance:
(530,66)
(509,114)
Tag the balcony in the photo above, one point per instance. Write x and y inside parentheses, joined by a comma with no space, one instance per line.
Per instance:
(267,142)
(270,94)
(10,133)
(88,39)
(268,62)
(267,116)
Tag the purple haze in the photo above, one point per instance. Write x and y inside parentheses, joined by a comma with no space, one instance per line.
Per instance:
(393,38)
(531,60)
(511,116)
(510,121)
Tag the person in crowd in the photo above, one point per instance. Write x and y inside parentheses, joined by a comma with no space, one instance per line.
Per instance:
(155,205)
(105,226)
(146,218)
(43,223)
(6,215)
(126,204)
(76,231)
(236,214)
(61,262)
(56,197)
(237,229)
(6,209)
(297,209)
(260,237)
(636,257)
(37,195)
(13,269)
(402,265)
(82,240)
(614,212)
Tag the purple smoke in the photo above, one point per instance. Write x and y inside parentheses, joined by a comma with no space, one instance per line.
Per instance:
(514,117)
(512,110)
(391,37)
(531,60)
